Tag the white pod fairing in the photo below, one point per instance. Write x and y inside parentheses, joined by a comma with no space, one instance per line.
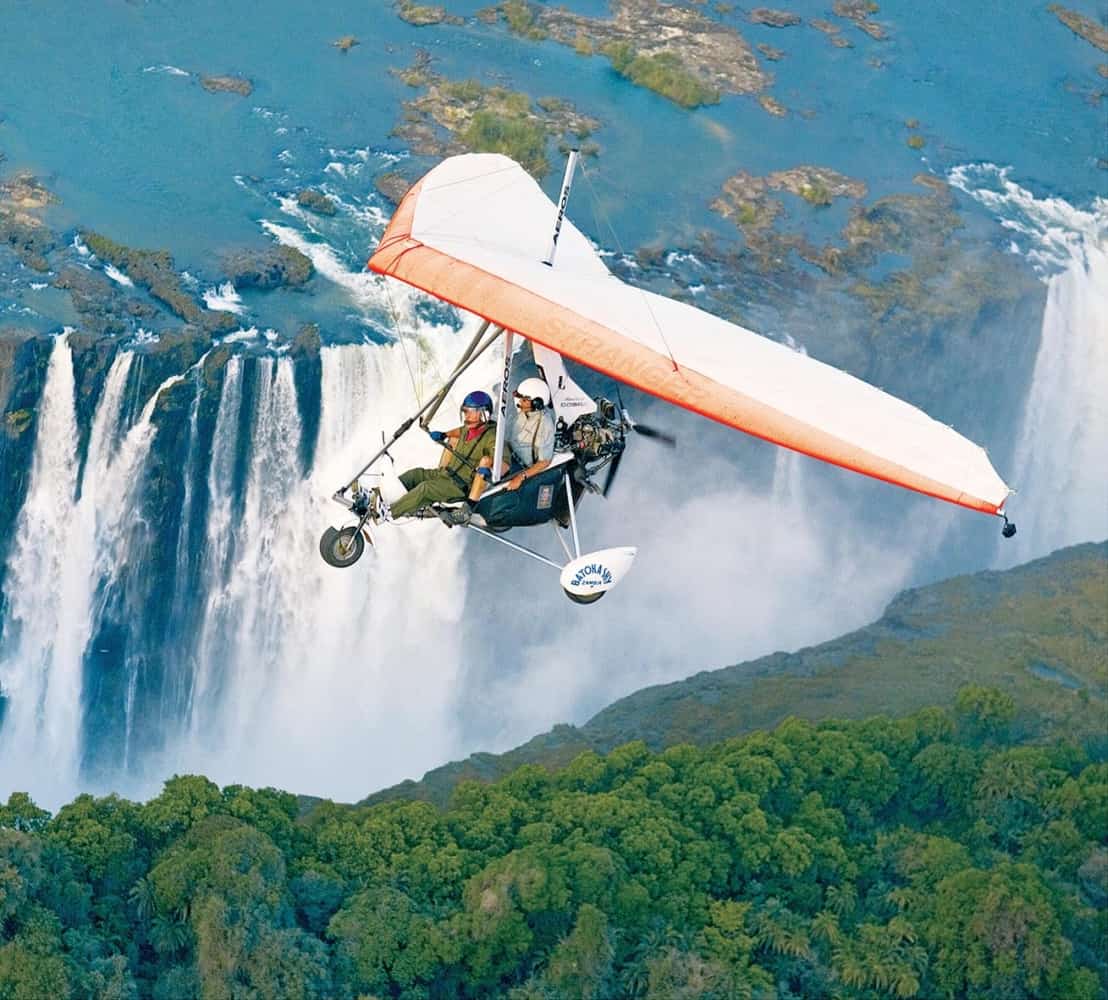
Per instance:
(589,577)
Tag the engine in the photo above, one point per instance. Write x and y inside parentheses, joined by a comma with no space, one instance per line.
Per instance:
(599,435)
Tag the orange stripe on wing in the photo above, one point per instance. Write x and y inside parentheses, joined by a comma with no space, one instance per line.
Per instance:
(611,353)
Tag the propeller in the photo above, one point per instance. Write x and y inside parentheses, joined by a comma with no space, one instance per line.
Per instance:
(647,432)
(655,435)
(613,468)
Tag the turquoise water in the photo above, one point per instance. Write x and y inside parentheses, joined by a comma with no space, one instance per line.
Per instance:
(149,157)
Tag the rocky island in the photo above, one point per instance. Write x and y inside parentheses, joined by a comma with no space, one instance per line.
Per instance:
(676,51)
(1083,27)
(227,84)
(456,116)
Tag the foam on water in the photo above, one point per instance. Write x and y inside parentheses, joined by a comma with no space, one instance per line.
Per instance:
(118,276)
(166,69)
(224,299)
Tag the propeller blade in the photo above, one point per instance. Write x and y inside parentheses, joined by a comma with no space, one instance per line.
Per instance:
(611,477)
(660,436)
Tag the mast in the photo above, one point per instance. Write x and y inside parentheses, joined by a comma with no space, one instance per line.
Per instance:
(563,200)
(502,416)
(502,422)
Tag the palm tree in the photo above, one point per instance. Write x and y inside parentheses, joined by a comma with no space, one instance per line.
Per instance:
(144,899)
(168,936)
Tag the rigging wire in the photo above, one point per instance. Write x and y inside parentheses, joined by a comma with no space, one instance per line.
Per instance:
(623,253)
(395,315)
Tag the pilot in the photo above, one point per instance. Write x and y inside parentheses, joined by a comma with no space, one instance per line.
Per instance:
(531,436)
(464,469)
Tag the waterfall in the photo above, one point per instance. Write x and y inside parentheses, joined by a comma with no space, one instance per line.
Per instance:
(307,676)
(1061,460)
(40,684)
(1062,455)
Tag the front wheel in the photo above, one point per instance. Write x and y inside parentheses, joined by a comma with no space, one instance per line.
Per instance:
(584,598)
(341,548)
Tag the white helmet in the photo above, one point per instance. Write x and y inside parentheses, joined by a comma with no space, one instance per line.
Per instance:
(536,390)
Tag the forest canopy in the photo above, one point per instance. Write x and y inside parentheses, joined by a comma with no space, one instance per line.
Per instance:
(929,856)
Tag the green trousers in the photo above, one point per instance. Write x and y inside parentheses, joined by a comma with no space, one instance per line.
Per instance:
(425,486)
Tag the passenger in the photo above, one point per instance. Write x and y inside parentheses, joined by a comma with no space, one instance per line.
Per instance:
(531,437)
(464,469)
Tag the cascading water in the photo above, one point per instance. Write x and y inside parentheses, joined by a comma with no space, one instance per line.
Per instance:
(1062,456)
(1061,461)
(308,677)
(38,741)
(67,555)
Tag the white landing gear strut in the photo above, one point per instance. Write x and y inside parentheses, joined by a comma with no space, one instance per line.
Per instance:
(584,578)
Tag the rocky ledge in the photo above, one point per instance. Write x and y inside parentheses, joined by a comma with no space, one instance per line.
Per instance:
(22,200)
(773,18)
(155,271)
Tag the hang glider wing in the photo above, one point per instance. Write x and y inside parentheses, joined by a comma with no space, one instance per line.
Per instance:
(474,232)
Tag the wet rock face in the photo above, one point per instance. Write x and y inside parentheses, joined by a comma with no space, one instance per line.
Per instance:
(272,267)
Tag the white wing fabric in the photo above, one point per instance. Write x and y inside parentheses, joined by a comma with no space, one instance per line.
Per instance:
(474,232)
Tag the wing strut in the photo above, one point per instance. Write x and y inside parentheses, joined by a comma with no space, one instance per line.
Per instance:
(476,348)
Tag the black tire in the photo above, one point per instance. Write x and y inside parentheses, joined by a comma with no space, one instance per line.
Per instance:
(584,598)
(341,548)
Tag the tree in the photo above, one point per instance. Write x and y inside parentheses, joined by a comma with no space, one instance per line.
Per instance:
(384,945)
(582,960)
(20,813)
(994,933)
(984,712)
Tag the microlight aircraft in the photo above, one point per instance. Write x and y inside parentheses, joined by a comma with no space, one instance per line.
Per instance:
(474,232)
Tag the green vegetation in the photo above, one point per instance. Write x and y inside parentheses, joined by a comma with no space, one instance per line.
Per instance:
(815,193)
(663,73)
(17,421)
(933,855)
(463,90)
(990,630)
(521,20)
(518,136)
(582,44)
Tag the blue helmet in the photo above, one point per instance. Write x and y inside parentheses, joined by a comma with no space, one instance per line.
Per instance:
(480,401)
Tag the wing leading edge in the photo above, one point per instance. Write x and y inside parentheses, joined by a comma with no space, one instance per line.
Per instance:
(473,232)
